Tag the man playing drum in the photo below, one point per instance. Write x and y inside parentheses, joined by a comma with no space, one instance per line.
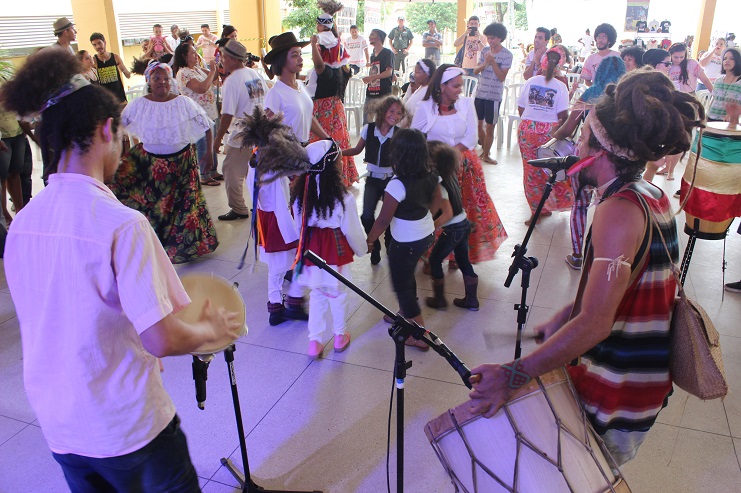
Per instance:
(618,325)
(94,292)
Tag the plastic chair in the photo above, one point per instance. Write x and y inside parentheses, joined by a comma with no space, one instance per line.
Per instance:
(135,92)
(354,102)
(469,85)
(511,94)
(705,97)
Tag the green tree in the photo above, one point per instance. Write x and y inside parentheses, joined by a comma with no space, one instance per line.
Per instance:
(360,17)
(302,17)
(443,13)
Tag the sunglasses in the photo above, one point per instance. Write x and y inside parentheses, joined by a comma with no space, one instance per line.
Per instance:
(666,64)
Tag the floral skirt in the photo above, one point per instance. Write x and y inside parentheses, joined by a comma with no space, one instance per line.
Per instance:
(166,190)
(531,135)
(330,113)
(487,230)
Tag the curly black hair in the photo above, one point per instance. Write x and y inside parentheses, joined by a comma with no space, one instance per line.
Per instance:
(73,120)
(409,155)
(644,113)
(322,197)
(608,31)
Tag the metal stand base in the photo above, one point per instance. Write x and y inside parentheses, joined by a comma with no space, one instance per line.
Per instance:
(245,481)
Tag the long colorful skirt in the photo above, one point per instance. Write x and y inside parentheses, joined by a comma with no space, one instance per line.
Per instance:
(166,190)
(487,230)
(330,113)
(531,135)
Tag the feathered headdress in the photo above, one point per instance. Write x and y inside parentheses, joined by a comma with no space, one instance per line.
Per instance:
(330,7)
(279,151)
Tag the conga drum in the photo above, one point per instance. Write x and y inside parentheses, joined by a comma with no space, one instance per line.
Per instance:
(222,293)
(716,197)
(539,441)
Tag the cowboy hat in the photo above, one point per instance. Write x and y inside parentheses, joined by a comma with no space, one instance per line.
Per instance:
(281,43)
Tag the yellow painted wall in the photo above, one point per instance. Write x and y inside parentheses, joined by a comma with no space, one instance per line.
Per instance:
(96,16)
(465,10)
(704,26)
(256,21)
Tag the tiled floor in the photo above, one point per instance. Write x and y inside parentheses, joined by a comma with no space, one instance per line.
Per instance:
(322,424)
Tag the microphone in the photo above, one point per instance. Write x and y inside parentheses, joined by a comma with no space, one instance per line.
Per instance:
(200,375)
(555,163)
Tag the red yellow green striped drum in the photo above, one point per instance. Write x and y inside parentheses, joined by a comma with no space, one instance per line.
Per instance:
(716,198)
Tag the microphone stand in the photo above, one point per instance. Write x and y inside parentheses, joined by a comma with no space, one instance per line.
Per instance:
(401,329)
(526,264)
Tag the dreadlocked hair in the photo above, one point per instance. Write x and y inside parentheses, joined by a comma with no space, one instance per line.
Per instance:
(73,120)
(644,113)
(324,193)
(409,155)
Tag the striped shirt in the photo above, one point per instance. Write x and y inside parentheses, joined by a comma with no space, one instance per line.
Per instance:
(723,93)
(624,381)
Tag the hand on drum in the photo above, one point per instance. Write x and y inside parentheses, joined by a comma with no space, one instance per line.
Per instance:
(220,322)
(545,331)
(490,390)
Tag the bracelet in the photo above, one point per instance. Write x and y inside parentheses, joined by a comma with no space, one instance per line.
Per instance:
(516,374)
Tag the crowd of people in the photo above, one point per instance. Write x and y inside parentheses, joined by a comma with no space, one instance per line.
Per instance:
(122,217)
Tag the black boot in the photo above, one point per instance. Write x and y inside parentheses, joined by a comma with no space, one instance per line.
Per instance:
(469,301)
(276,311)
(437,301)
(295,309)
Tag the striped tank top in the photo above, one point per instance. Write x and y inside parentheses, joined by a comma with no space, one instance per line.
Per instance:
(624,381)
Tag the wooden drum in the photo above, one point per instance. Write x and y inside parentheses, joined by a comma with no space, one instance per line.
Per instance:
(222,293)
(540,440)
(716,198)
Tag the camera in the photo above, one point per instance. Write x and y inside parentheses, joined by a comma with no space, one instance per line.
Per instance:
(252,58)
(473,30)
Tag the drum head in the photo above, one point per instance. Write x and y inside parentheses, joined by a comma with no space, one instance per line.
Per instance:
(556,148)
(723,128)
(222,293)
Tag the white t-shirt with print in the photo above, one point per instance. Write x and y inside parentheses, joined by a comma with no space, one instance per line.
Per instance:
(543,101)
(356,49)
(243,89)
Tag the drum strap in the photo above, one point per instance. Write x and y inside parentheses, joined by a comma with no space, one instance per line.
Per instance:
(694,174)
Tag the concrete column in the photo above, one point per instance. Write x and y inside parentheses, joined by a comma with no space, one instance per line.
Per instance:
(96,16)
(465,10)
(256,21)
(704,26)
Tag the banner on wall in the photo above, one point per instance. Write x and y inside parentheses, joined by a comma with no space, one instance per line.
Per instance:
(372,15)
(347,16)
(636,16)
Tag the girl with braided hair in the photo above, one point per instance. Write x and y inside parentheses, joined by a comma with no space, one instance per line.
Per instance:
(619,324)
(543,107)
(330,228)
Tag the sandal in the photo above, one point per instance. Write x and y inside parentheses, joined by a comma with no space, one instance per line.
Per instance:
(217,176)
(210,182)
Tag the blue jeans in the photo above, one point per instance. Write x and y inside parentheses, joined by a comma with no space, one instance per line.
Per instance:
(161,465)
(454,238)
(201,151)
(403,258)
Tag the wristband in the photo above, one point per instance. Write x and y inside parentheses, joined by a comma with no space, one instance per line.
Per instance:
(516,375)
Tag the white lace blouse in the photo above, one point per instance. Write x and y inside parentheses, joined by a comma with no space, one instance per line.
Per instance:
(165,128)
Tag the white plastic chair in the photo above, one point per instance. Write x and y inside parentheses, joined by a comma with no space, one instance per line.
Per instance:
(469,85)
(135,92)
(511,94)
(354,102)
(705,97)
